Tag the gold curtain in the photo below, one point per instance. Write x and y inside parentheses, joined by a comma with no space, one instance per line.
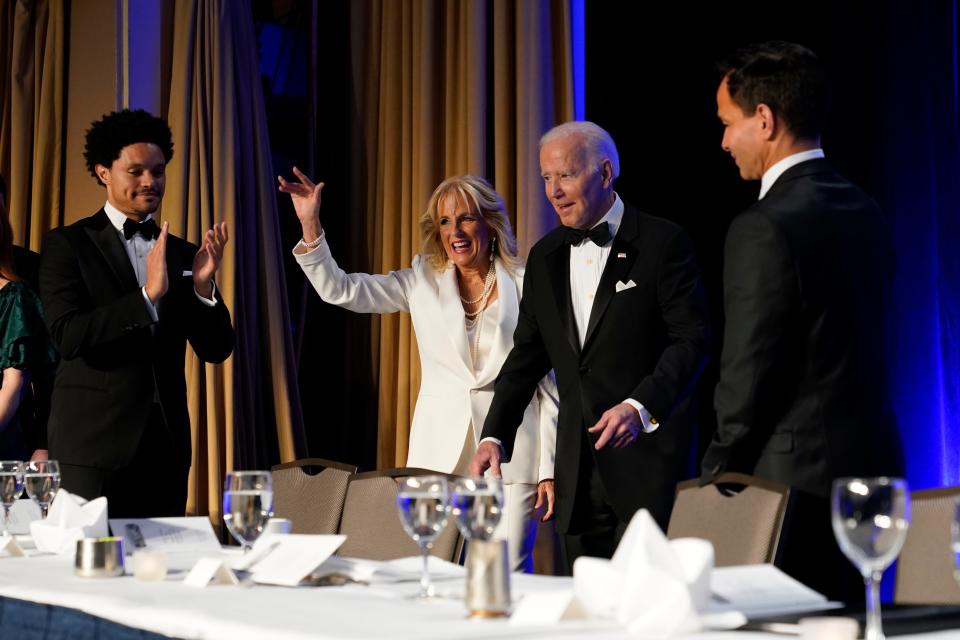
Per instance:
(221,171)
(426,84)
(32,82)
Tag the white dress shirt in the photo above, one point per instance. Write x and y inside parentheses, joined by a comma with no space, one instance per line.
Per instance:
(587,261)
(770,175)
(137,249)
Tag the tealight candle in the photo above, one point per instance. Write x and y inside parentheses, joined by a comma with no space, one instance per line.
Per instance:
(150,566)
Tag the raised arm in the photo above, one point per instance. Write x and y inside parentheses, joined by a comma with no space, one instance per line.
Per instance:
(360,292)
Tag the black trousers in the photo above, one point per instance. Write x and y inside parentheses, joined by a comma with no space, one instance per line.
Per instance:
(154,484)
(595,529)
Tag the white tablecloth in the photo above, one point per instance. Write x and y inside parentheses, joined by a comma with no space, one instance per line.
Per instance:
(258,612)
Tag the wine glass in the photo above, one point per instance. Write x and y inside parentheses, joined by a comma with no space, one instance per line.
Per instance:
(42,480)
(247,505)
(870,519)
(422,504)
(477,505)
(11,486)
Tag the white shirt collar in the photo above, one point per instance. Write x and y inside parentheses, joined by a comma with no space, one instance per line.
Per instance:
(613,216)
(774,172)
(117,217)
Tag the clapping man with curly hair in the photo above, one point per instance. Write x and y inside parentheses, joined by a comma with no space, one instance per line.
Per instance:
(122,297)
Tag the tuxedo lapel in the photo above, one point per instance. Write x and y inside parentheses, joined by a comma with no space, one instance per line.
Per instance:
(454,321)
(619,263)
(558,269)
(105,239)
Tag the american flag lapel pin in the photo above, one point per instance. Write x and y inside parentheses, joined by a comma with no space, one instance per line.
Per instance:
(621,255)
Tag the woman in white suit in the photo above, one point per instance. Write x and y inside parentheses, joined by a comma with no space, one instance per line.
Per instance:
(463,295)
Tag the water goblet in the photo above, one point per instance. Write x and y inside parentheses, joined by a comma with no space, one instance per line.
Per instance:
(247,505)
(477,506)
(42,481)
(422,505)
(870,518)
(11,486)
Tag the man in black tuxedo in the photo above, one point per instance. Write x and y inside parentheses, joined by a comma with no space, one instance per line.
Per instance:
(121,299)
(612,301)
(802,397)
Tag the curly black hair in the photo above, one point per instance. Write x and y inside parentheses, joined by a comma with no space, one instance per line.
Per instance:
(110,134)
(787,77)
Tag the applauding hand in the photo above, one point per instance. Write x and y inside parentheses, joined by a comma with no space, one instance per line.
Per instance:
(207,260)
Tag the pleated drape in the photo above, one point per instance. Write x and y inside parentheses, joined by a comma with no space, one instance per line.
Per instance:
(245,413)
(445,88)
(32,105)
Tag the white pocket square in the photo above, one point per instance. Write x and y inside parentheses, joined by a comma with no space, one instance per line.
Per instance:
(187,274)
(629,284)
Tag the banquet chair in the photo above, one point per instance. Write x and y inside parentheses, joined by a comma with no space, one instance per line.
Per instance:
(741,515)
(372,525)
(313,502)
(925,570)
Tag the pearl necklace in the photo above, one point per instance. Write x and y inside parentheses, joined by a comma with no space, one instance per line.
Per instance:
(475,318)
(488,284)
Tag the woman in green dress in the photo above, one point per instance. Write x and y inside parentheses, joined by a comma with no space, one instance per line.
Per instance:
(25,348)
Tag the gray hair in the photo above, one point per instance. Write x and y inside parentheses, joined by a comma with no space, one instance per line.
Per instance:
(597,143)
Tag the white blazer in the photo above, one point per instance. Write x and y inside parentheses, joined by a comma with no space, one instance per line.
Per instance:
(451,395)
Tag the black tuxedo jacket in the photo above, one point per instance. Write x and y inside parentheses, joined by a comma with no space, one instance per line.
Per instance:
(802,397)
(115,362)
(648,342)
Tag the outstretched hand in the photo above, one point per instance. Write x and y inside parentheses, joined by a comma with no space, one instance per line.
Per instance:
(207,260)
(305,196)
(486,457)
(618,427)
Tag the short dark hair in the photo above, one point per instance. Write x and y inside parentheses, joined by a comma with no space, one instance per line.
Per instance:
(787,77)
(110,134)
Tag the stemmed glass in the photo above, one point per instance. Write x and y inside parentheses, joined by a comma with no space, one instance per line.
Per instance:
(42,480)
(422,504)
(870,519)
(11,486)
(247,505)
(477,505)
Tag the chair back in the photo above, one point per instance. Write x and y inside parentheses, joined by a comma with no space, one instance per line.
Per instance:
(312,502)
(925,570)
(372,525)
(741,515)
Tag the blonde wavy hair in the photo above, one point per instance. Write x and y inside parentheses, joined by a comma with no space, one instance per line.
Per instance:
(483,199)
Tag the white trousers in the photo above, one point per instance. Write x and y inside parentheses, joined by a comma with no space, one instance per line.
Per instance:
(518,524)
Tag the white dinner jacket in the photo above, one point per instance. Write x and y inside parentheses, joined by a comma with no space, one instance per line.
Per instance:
(451,395)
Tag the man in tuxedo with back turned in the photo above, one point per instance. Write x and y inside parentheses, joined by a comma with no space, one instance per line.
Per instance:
(122,297)
(802,397)
(612,301)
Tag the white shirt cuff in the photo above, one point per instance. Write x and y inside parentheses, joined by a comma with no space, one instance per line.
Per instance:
(212,300)
(151,308)
(649,425)
(495,441)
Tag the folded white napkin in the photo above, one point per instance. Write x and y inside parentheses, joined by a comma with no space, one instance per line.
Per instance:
(70,518)
(653,587)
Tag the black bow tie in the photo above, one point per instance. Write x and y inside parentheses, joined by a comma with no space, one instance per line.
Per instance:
(599,235)
(148,229)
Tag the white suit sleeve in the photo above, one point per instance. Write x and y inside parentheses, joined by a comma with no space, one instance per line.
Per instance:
(549,410)
(360,292)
